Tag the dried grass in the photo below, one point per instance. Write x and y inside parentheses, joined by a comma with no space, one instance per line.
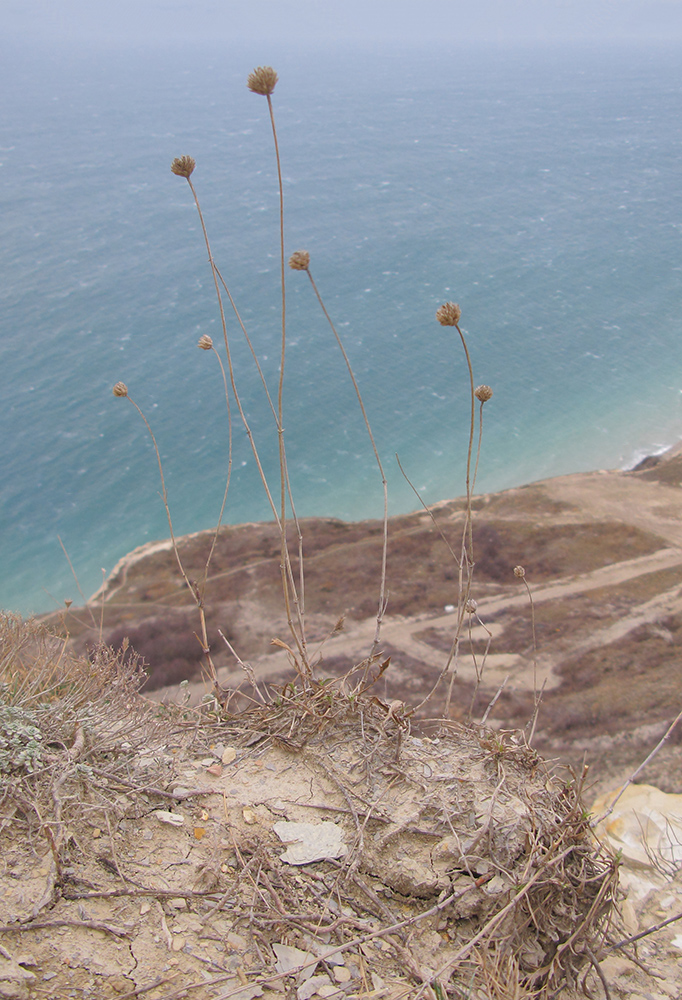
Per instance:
(471,833)
(468,858)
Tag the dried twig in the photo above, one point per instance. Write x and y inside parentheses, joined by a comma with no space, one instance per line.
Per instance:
(635,774)
(38,925)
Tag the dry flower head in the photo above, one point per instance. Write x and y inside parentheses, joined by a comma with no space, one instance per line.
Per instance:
(299,260)
(205,342)
(483,393)
(120,389)
(519,572)
(448,314)
(262,80)
(183,166)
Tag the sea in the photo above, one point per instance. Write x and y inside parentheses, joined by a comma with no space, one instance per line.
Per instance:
(538,187)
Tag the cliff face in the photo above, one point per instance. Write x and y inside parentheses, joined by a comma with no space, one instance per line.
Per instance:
(603,560)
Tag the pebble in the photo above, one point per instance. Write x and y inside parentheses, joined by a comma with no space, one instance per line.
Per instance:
(172,819)
(313,986)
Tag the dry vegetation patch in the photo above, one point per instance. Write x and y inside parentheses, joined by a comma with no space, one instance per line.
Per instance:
(143,849)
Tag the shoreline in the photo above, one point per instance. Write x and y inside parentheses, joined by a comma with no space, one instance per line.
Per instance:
(147,549)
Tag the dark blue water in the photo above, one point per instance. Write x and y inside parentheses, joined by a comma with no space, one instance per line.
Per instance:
(539,189)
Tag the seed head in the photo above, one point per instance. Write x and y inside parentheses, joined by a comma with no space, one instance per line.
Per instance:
(183,166)
(483,393)
(262,80)
(519,572)
(120,389)
(205,342)
(470,606)
(448,314)
(299,260)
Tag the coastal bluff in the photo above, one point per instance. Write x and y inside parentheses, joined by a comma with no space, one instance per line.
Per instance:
(602,553)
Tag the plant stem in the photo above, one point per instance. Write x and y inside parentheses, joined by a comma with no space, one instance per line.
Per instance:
(382,589)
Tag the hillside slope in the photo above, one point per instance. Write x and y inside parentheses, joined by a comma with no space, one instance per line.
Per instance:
(603,558)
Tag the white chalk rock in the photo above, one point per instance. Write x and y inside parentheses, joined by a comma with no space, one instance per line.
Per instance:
(645,826)
(310,841)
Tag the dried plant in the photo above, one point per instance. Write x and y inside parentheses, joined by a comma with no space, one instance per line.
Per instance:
(300,261)
(262,82)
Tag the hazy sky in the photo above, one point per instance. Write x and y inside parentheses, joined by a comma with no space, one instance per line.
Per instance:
(320,21)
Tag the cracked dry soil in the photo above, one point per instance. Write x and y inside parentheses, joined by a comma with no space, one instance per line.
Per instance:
(464,862)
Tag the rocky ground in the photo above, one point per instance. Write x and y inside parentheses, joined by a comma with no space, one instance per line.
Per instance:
(598,631)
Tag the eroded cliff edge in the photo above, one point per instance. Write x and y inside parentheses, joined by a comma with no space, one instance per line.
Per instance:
(603,558)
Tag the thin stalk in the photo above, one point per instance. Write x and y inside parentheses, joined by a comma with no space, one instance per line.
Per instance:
(467,538)
(299,533)
(467,555)
(192,587)
(382,589)
(633,777)
(75,576)
(285,559)
(478,446)
(428,510)
(449,315)
(520,574)
(287,573)
(227,478)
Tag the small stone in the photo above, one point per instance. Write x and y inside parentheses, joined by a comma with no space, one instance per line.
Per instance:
(329,991)
(613,966)
(249,816)
(341,974)
(172,819)
(26,958)
(179,943)
(327,952)
(228,755)
(145,907)
(290,959)
(312,986)
(178,903)
(215,770)
(310,841)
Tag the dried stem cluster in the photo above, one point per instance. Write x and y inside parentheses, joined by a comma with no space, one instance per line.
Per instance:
(263,81)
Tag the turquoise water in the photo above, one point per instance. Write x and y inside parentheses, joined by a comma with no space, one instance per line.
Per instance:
(540,189)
